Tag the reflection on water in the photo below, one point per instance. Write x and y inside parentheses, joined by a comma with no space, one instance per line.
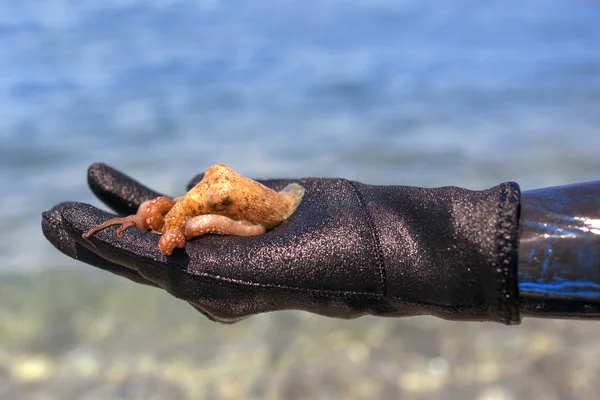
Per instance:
(409,92)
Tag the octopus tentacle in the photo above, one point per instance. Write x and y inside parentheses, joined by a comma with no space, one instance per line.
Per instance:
(125,222)
(170,240)
(156,211)
(148,217)
(213,223)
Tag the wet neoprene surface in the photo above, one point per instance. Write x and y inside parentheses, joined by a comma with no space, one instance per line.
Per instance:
(559,258)
(350,249)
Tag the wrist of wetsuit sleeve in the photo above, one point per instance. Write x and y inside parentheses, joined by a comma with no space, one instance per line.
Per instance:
(448,252)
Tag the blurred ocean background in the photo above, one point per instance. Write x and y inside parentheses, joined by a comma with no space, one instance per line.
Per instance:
(426,93)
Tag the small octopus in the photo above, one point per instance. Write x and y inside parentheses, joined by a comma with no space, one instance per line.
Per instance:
(223,202)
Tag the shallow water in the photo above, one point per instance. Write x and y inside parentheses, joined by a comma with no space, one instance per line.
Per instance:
(412,92)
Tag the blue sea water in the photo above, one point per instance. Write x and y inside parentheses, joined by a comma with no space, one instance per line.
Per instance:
(401,92)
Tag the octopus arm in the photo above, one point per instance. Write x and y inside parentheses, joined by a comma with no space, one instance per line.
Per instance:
(213,223)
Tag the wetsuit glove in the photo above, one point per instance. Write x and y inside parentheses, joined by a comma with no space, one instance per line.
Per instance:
(350,249)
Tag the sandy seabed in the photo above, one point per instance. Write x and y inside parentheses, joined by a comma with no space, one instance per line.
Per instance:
(71,335)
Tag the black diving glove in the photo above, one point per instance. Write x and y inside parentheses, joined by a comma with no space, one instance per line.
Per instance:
(350,249)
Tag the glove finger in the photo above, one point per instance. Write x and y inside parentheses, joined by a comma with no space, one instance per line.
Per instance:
(194,181)
(137,250)
(118,191)
(52,227)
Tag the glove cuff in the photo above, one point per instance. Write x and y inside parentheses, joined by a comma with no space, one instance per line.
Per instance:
(448,252)
(504,300)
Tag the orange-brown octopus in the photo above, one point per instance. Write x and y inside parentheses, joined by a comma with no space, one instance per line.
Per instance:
(222,202)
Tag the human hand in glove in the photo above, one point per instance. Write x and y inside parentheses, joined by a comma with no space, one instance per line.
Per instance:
(349,249)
